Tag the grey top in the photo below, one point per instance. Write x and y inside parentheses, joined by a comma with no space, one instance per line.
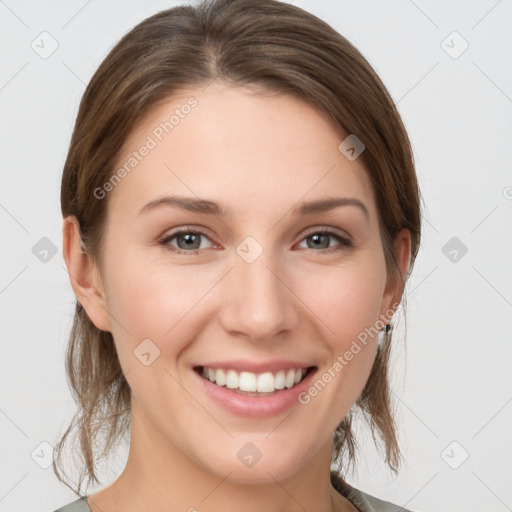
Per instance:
(362,501)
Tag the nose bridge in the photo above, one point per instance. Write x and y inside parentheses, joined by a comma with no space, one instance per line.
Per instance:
(257,303)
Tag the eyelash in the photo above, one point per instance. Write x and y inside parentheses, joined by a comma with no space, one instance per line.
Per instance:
(345,242)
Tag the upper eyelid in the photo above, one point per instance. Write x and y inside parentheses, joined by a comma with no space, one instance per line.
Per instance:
(329,230)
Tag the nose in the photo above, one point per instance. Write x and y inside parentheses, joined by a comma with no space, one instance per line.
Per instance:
(257,300)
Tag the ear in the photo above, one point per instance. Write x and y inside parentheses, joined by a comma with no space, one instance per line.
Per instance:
(394,287)
(84,275)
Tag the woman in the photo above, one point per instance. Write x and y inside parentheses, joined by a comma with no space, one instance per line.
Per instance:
(241,213)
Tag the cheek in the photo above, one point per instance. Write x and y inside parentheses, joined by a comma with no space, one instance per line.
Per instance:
(346,300)
(153,301)
(348,304)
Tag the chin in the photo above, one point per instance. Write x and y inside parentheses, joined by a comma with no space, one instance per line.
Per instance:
(253,463)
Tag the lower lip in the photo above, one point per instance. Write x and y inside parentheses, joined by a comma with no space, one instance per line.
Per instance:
(256,406)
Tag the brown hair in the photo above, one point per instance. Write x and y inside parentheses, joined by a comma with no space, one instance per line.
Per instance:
(264,43)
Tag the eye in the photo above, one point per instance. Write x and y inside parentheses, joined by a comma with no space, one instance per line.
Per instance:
(320,240)
(186,239)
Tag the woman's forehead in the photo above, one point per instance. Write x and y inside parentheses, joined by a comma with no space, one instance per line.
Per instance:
(265,116)
(230,139)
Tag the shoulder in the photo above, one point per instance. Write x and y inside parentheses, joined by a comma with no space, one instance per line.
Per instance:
(363,501)
(80,505)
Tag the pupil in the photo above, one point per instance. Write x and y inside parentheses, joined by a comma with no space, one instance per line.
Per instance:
(316,239)
(190,239)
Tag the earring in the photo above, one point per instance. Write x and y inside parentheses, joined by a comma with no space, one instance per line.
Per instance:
(383,333)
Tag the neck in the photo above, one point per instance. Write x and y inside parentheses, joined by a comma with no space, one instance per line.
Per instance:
(158,477)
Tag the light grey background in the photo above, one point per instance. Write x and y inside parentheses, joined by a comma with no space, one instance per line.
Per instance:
(452,378)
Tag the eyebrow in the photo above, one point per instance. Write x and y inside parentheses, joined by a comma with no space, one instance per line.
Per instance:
(207,207)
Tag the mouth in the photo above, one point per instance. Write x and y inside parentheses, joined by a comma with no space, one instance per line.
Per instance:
(255,384)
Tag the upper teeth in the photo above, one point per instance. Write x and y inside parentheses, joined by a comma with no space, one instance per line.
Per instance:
(248,381)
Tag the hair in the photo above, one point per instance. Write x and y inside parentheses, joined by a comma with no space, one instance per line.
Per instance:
(270,45)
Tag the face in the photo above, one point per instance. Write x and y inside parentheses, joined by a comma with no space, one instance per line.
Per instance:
(247,279)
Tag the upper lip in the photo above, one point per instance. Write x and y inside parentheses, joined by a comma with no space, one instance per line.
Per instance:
(244,365)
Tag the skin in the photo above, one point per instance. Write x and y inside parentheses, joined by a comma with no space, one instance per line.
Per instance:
(259,156)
